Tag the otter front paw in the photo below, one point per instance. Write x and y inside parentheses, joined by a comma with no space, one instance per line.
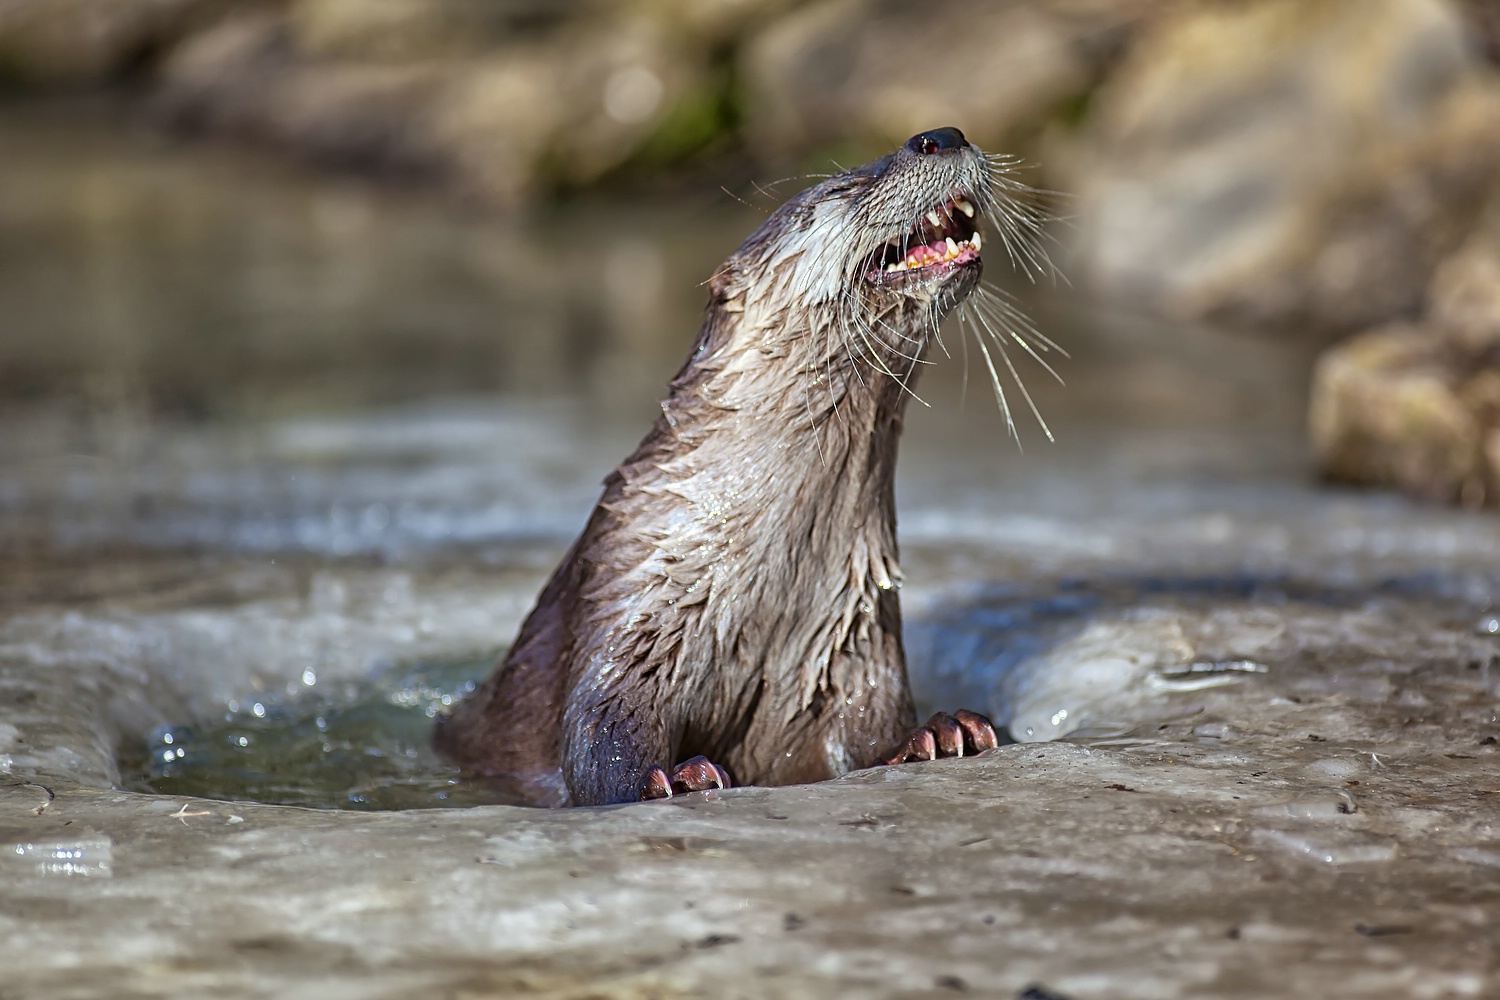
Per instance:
(962,734)
(696,774)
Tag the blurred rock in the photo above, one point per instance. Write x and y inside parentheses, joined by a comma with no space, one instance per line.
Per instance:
(1484,15)
(420,29)
(882,70)
(76,43)
(1418,406)
(1390,408)
(1286,162)
(1465,298)
(713,22)
(245,79)
(563,110)
(562,107)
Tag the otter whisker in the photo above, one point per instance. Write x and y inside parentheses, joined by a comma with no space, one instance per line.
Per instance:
(1005,319)
(747,203)
(915,359)
(1021,236)
(849,348)
(963,344)
(865,335)
(1010,424)
(998,298)
(935,334)
(1015,375)
(871,351)
(1019,215)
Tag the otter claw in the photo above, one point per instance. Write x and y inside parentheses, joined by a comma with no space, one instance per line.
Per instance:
(961,734)
(696,774)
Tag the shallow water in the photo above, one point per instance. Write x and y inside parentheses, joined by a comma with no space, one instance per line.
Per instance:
(367,746)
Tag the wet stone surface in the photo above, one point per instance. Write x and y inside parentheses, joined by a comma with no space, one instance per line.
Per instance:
(1274,705)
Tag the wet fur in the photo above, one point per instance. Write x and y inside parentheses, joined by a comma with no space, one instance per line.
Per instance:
(734,593)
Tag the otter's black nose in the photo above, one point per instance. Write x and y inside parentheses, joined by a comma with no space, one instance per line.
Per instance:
(939,139)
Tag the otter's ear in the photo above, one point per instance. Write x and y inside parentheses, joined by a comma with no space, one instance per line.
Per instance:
(727,287)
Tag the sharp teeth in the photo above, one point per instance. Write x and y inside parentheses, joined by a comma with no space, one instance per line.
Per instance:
(932,217)
(952,248)
(974,241)
(892,267)
(962,204)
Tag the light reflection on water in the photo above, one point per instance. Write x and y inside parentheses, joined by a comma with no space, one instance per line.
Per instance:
(364,746)
(91,856)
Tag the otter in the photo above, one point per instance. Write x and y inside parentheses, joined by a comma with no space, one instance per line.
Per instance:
(730,611)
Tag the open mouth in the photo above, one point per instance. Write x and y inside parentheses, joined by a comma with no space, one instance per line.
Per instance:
(945,239)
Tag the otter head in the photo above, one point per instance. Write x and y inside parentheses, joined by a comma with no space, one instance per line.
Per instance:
(882,251)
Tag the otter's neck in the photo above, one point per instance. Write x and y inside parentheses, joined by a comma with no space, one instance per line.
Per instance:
(792,427)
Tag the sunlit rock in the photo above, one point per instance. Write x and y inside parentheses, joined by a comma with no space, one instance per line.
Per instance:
(1387,410)
(1284,162)
(1465,294)
(1418,406)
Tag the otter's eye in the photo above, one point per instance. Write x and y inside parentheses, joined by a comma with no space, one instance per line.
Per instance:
(931,143)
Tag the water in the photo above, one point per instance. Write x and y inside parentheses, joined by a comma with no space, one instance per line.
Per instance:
(365,747)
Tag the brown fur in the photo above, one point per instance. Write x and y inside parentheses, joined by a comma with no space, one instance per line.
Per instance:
(734,593)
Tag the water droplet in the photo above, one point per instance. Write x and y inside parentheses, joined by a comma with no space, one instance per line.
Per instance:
(309,677)
(258,710)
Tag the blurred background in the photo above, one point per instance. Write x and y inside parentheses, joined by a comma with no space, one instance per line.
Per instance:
(381,277)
